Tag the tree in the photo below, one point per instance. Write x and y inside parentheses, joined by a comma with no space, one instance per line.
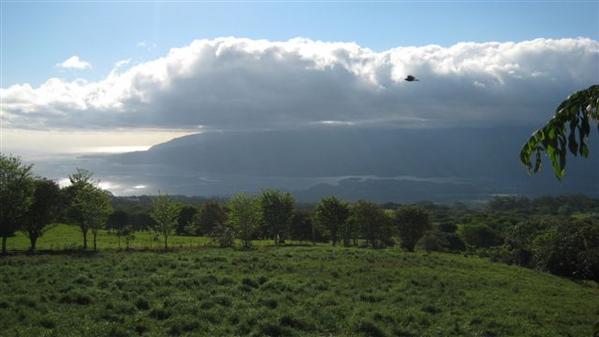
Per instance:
(244,217)
(301,226)
(569,129)
(210,216)
(412,222)
(88,205)
(185,219)
(16,194)
(44,210)
(165,213)
(276,208)
(373,223)
(119,222)
(331,213)
(479,235)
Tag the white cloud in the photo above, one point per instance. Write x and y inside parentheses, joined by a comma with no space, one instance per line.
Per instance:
(74,62)
(234,83)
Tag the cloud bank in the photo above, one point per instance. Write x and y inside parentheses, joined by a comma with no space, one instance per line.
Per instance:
(233,83)
(74,62)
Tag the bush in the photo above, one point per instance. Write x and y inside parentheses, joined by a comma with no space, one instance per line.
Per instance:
(479,236)
(570,249)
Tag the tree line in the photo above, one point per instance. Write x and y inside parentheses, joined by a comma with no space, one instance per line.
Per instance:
(31,204)
(555,234)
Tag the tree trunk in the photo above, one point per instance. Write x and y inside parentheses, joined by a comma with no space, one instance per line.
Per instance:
(84,239)
(4,238)
(165,242)
(33,239)
(94,233)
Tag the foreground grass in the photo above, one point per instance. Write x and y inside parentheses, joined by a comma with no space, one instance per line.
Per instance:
(287,291)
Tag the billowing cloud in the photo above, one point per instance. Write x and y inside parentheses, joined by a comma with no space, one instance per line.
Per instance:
(74,62)
(234,83)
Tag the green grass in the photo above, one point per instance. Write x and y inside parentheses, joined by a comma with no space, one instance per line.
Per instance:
(285,291)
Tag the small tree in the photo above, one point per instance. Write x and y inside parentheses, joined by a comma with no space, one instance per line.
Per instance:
(210,216)
(165,213)
(44,210)
(276,209)
(119,222)
(16,193)
(412,222)
(88,205)
(244,217)
(331,213)
(185,220)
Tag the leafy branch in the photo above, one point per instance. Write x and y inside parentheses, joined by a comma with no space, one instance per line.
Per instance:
(568,130)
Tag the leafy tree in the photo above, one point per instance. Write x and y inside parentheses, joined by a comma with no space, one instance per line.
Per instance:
(210,216)
(301,226)
(568,130)
(570,249)
(373,222)
(331,213)
(88,205)
(276,208)
(185,219)
(16,193)
(165,213)
(479,235)
(412,222)
(44,210)
(244,217)
(224,235)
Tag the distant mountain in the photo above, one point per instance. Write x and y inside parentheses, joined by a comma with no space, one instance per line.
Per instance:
(378,164)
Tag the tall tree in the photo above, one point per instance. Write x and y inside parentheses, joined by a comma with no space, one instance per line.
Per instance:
(244,217)
(569,129)
(16,194)
(331,214)
(165,213)
(412,222)
(210,216)
(88,205)
(276,209)
(372,222)
(44,210)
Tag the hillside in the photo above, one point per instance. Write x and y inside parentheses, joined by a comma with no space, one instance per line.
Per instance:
(384,165)
(287,291)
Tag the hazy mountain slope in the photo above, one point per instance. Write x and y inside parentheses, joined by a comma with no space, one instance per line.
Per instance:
(460,161)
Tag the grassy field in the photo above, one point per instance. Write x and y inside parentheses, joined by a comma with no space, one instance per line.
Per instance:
(285,291)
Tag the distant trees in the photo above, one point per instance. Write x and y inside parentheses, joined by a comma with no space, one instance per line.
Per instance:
(44,210)
(119,222)
(412,223)
(301,226)
(210,216)
(185,219)
(372,222)
(244,217)
(331,214)
(276,209)
(479,235)
(165,213)
(88,205)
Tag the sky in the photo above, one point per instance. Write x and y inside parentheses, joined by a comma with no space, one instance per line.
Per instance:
(128,75)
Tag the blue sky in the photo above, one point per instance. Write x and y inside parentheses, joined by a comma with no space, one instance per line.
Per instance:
(36,36)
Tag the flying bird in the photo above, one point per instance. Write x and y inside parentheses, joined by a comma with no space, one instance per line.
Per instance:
(411,78)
